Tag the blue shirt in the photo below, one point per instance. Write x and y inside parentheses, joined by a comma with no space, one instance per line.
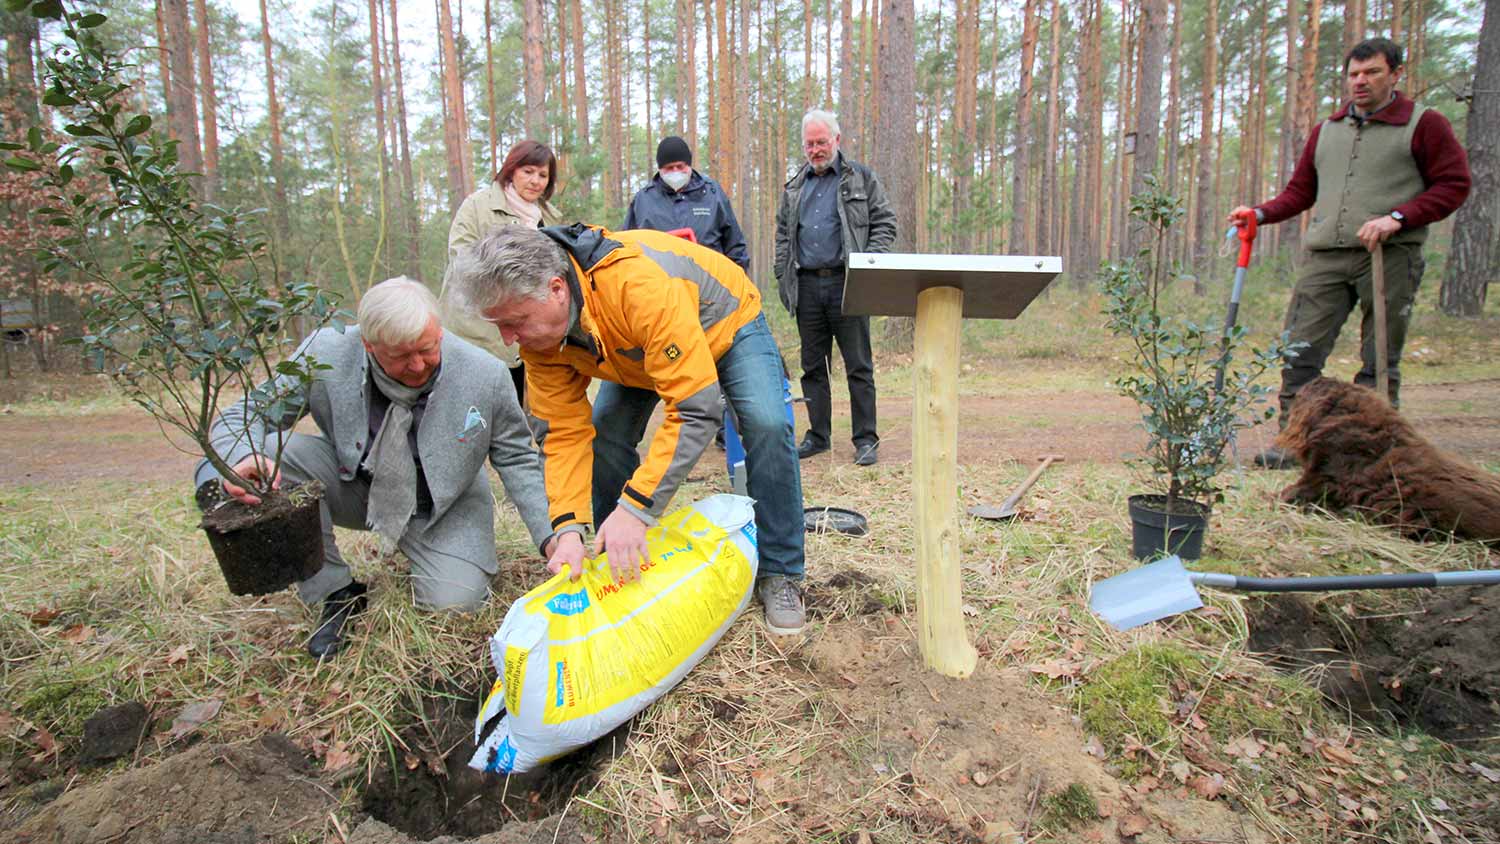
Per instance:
(820,235)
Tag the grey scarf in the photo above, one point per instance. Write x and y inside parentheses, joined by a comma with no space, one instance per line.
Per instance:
(393,487)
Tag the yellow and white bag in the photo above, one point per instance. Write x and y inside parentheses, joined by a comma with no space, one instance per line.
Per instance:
(578,658)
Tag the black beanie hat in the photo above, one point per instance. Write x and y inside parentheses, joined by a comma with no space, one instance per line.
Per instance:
(673,148)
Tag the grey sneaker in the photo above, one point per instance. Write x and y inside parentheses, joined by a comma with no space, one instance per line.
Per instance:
(782,597)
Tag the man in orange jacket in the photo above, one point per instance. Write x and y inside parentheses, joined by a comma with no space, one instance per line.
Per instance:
(647,310)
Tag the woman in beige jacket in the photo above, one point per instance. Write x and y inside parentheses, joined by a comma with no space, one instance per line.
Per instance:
(518,195)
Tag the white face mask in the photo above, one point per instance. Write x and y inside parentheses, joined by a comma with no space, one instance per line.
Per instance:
(677,179)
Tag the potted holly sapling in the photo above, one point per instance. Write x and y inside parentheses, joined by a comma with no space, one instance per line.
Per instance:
(179,305)
(1173,363)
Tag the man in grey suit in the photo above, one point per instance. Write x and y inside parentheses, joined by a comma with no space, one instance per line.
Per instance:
(406,418)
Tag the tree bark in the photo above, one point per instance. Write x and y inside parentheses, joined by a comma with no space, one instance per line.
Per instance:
(895,138)
(182,103)
(1203,238)
(1148,105)
(580,91)
(966,81)
(849,113)
(20,78)
(1021,240)
(1474,260)
(210,104)
(533,70)
(455,128)
(1048,235)
(1287,149)
(281,213)
(492,128)
(411,211)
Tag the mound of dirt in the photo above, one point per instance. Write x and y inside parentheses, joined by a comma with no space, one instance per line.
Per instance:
(1431,664)
(979,759)
(254,793)
(433,792)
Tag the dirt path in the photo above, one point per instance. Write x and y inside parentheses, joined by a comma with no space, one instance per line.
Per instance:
(1085,426)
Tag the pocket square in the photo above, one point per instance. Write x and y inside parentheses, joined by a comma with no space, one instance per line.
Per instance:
(473,423)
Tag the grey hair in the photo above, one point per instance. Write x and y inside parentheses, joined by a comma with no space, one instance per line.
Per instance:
(395,311)
(817,115)
(510,262)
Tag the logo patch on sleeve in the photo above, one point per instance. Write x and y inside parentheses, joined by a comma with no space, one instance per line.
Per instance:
(672,352)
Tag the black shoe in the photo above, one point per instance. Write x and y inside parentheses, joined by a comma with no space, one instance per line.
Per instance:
(338,608)
(808,448)
(1275,458)
(867,455)
(719,439)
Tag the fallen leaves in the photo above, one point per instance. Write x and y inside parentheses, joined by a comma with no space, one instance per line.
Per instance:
(339,757)
(1208,787)
(43,616)
(1245,747)
(195,715)
(1488,773)
(179,655)
(1057,669)
(78,634)
(1132,825)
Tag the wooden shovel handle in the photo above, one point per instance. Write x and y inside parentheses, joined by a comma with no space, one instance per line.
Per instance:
(1025,486)
(1377,281)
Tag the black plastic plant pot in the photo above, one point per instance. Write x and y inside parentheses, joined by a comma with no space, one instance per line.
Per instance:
(1155,533)
(265,549)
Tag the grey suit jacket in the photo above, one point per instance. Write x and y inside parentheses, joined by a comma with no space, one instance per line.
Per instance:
(471,415)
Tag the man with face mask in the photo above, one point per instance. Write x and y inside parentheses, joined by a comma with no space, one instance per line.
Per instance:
(679,197)
(832,207)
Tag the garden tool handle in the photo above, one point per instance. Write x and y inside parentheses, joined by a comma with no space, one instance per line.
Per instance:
(1246,225)
(1377,282)
(1047,460)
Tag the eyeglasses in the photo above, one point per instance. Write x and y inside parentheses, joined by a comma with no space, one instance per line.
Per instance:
(817,144)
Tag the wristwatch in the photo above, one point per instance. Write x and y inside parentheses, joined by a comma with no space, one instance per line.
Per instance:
(1398,216)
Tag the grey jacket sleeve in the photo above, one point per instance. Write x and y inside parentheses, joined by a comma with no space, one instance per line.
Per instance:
(882,218)
(515,458)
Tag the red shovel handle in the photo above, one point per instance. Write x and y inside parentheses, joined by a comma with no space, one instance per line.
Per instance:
(687,234)
(1246,223)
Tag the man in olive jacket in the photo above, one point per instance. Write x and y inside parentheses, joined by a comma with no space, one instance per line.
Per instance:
(831,208)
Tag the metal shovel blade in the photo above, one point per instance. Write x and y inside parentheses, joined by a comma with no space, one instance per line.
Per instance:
(993,512)
(1145,594)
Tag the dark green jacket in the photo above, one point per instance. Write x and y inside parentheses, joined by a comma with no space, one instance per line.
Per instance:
(865,218)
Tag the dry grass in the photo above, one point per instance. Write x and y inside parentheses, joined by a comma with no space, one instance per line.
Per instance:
(134,609)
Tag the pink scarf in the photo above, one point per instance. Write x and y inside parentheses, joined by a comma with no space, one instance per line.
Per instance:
(529,212)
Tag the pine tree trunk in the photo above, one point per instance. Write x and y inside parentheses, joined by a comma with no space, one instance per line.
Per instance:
(1021,240)
(210,104)
(1174,116)
(1474,260)
(723,152)
(1148,105)
(492,129)
(20,77)
(966,80)
(1047,239)
(410,210)
(1203,234)
(182,102)
(533,70)
(849,116)
(580,92)
(809,77)
(455,130)
(281,213)
(895,138)
(687,68)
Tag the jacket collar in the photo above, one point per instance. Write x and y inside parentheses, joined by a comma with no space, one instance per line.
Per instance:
(1397,112)
(495,202)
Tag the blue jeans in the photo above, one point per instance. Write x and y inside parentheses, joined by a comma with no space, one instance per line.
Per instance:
(750,379)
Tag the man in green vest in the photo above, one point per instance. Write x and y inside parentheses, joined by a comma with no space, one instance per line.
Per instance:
(1377,173)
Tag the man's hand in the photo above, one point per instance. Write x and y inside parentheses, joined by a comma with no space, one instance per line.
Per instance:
(1238,213)
(623,538)
(1374,232)
(567,550)
(252,468)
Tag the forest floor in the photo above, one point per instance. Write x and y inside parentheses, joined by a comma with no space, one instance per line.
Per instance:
(139,702)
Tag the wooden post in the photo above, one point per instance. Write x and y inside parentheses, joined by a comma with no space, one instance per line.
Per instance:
(943,640)
(1377,300)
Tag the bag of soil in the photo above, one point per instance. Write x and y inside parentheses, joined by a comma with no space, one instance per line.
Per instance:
(577,659)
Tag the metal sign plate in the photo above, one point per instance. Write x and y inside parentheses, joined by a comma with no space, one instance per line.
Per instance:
(994,286)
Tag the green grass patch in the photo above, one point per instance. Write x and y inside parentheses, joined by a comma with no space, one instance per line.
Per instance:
(1067,808)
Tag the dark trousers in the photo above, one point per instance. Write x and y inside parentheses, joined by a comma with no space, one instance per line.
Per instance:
(1331,284)
(820,321)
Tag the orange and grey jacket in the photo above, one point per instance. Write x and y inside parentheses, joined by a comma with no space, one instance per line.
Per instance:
(653,312)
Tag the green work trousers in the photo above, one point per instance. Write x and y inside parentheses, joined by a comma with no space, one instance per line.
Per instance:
(1330,284)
